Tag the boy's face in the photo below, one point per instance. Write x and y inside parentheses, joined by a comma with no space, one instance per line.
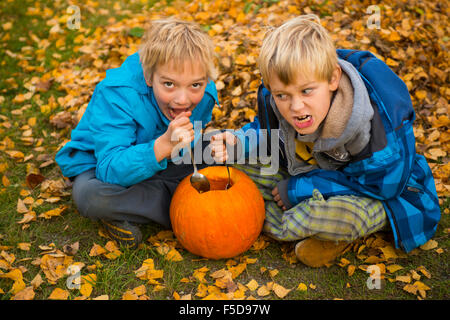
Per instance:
(178,89)
(305,103)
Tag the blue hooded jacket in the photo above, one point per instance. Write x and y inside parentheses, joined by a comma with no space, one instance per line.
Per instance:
(118,130)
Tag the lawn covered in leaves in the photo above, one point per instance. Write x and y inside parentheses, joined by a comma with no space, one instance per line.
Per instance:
(48,74)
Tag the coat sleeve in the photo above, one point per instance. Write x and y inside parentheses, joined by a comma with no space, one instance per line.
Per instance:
(381,182)
(119,159)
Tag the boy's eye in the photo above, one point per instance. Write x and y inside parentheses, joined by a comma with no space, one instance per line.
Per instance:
(197,85)
(307,91)
(168,84)
(281,96)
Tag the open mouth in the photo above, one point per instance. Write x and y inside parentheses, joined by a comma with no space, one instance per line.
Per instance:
(303,118)
(303,121)
(174,112)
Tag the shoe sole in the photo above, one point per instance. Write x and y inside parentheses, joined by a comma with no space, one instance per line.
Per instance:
(122,235)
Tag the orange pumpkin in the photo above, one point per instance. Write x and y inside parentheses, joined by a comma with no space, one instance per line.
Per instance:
(219,223)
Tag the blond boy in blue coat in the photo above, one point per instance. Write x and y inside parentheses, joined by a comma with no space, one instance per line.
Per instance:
(121,154)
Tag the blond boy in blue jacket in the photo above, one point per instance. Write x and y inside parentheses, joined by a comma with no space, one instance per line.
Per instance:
(141,115)
(348,164)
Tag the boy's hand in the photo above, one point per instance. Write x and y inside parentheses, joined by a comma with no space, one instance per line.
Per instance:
(218,145)
(277,198)
(179,134)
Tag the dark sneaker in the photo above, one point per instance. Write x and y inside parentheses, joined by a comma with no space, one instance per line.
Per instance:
(124,232)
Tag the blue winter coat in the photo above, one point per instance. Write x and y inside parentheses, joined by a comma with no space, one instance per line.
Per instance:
(119,127)
(388,169)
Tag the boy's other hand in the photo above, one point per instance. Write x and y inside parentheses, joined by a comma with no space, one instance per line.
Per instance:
(218,145)
(277,198)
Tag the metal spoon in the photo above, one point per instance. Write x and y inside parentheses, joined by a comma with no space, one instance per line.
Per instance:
(198,180)
(229,180)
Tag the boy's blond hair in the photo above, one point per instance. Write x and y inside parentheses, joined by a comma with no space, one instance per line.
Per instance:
(177,41)
(299,46)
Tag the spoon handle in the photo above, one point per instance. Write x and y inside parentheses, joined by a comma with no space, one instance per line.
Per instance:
(192,159)
(229,179)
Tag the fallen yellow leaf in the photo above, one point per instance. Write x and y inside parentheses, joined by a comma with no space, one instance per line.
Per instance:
(421,94)
(59,294)
(410,288)
(406,278)
(140,290)
(273,272)
(421,286)
(53,213)
(252,285)
(186,297)
(373,260)
(96,250)
(280,291)
(130,295)
(87,283)
(7,26)
(393,268)
(220,273)
(14,275)
(343,262)
(18,286)
(202,290)
(5,181)
(113,255)
(414,275)
(25,246)
(350,270)
(154,274)
(25,294)
(389,252)
(28,217)
(3,166)
(430,244)
(237,270)
(424,272)
(37,281)
(302,287)
(17,155)
(216,296)
(173,255)
(263,291)
(200,274)
(21,207)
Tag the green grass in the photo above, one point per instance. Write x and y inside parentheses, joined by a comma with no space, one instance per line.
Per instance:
(117,276)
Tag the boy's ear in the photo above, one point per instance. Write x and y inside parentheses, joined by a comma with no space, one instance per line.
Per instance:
(148,80)
(335,78)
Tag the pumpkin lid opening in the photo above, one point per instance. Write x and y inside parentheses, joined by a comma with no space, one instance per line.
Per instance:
(218,177)
(219,183)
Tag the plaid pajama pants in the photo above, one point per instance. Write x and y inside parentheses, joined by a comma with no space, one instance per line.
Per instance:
(338,218)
